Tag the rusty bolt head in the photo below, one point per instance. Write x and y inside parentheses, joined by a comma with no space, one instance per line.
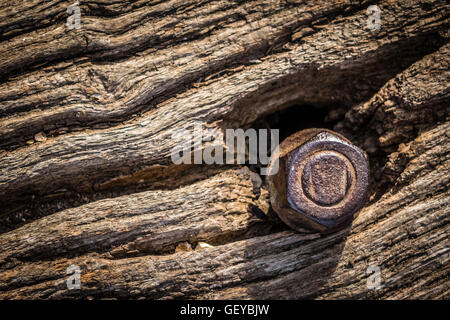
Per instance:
(322,181)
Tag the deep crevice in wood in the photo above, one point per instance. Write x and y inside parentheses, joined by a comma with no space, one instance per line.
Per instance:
(386,91)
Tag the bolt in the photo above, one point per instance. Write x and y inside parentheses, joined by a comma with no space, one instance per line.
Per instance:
(322,182)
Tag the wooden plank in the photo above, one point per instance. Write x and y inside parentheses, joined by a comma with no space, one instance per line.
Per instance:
(86,123)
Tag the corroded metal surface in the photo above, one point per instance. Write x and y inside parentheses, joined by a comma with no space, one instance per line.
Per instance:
(323,181)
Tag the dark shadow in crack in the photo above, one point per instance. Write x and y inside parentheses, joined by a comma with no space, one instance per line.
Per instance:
(287,264)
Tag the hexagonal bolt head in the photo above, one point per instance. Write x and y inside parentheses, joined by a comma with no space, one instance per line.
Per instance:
(322,181)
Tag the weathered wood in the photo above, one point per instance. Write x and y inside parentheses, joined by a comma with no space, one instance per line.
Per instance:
(147,222)
(76,159)
(405,233)
(86,119)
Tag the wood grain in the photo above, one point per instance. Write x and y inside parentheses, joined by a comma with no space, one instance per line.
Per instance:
(87,116)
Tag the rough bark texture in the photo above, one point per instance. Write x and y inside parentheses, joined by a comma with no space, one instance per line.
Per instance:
(86,119)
